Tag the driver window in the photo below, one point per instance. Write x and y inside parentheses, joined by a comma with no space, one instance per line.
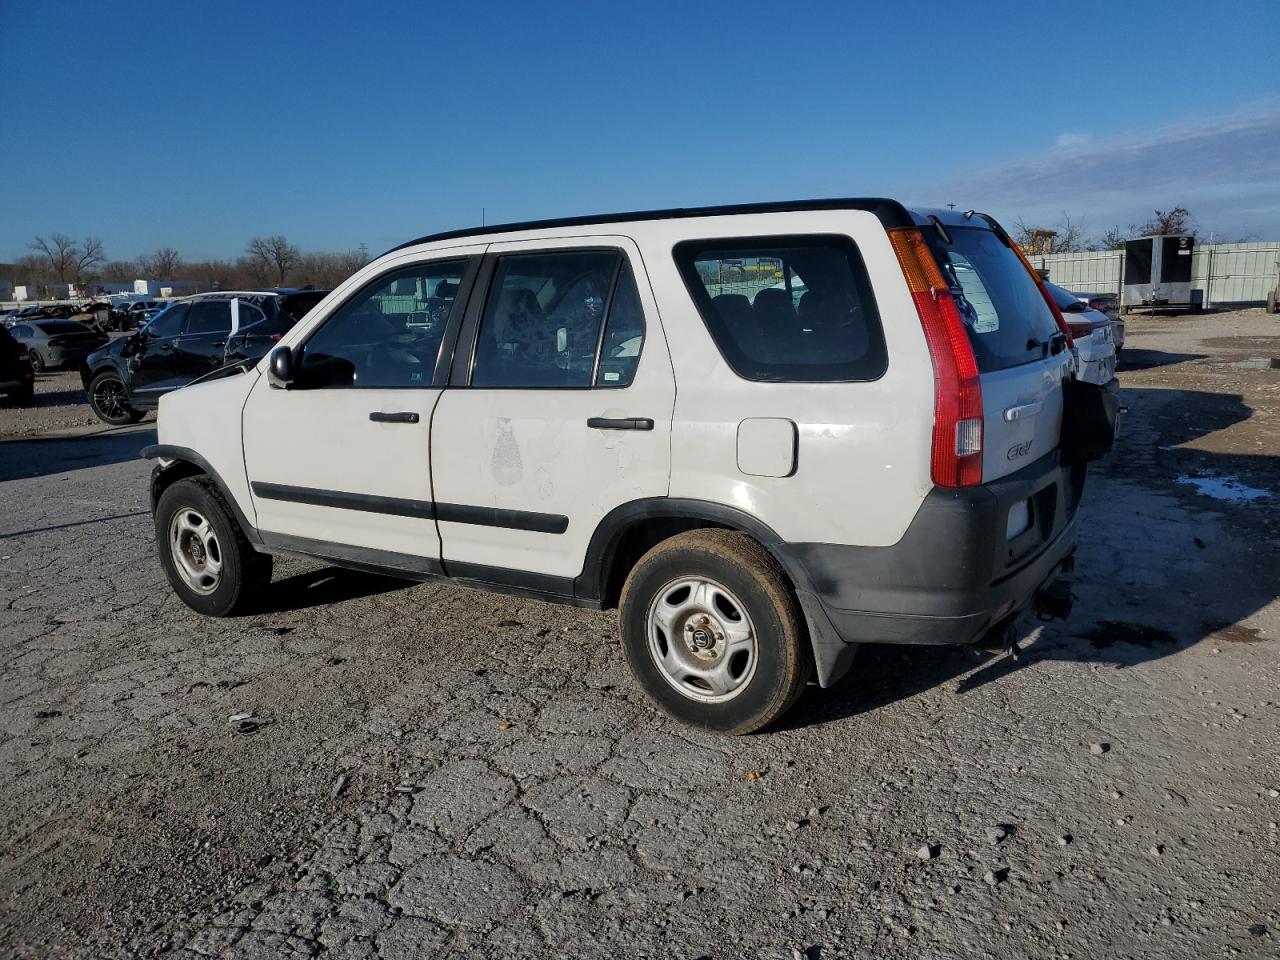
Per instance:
(388,334)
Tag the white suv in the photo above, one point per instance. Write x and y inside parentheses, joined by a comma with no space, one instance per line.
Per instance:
(766,433)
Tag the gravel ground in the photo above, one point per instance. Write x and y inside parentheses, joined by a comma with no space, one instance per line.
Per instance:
(441,772)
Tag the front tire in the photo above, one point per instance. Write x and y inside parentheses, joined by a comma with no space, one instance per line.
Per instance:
(109,400)
(713,633)
(206,557)
(37,362)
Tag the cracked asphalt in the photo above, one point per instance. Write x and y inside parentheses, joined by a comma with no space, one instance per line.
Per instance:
(433,771)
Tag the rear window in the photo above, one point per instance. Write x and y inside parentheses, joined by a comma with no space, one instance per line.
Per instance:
(791,308)
(1005,315)
(1065,299)
(63,326)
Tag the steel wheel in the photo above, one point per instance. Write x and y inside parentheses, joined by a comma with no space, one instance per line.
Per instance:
(702,640)
(111,398)
(197,555)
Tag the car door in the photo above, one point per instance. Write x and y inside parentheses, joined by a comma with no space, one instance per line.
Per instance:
(203,343)
(339,465)
(558,410)
(153,354)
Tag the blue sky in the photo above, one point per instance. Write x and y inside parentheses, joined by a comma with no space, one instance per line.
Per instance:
(198,125)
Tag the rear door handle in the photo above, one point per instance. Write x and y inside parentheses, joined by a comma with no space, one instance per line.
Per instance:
(1023,411)
(620,423)
(407,417)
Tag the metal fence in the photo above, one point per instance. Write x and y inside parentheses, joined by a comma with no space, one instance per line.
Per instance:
(1228,273)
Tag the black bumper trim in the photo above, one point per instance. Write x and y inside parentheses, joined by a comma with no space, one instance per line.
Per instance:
(954,572)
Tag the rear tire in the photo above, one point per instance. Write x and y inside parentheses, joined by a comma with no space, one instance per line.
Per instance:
(24,396)
(109,400)
(206,557)
(713,633)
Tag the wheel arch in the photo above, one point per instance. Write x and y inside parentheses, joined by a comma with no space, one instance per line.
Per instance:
(627,532)
(176,463)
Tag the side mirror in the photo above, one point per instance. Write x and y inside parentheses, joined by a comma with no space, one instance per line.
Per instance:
(280,368)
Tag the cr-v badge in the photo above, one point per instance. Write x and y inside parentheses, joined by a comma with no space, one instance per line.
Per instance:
(1019,450)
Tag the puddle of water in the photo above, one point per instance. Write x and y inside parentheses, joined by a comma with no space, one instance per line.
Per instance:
(1258,363)
(1224,488)
(1235,632)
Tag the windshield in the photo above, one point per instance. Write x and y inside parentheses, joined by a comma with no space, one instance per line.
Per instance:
(1006,318)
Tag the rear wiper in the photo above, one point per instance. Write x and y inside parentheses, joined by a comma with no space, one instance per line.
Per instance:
(991,222)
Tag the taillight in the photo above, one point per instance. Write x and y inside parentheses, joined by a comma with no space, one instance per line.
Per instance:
(1080,328)
(956,459)
(1044,292)
(1097,305)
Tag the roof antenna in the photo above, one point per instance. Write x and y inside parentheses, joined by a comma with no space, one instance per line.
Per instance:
(968,214)
(482,216)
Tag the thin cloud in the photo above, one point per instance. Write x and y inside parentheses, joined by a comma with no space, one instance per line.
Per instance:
(1225,169)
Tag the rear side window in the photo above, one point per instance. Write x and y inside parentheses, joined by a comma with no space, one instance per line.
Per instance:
(791,308)
(544,322)
(1004,313)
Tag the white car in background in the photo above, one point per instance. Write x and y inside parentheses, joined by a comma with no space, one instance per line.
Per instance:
(1109,304)
(1093,333)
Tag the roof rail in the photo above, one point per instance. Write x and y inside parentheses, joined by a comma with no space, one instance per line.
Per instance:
(891,214)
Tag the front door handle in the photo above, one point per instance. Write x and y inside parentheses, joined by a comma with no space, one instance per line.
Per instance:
(620,423)
(407,417)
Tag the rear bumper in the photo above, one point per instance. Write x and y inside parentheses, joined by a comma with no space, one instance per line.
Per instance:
(955,573)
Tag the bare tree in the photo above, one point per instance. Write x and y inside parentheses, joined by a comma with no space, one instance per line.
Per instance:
(1177,221)
(31,269)
(61,252)
(91,255)
(119,271)
(273,253)
(1065,236)
(161,265)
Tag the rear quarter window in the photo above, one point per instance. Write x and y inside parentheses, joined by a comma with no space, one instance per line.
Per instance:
(787,308)
(1004,313)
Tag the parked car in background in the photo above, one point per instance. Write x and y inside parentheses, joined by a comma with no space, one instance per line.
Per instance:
(189,338)
(57,343)
(760,483)
(1109,304)
(17,379)
(1091,331)
(24,313)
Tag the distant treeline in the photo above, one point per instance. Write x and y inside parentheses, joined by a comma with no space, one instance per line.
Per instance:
(59,259)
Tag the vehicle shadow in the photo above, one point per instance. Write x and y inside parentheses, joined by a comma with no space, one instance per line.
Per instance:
(1158,565)
(58,398)
(1132,358)
(321,587)
(42,457)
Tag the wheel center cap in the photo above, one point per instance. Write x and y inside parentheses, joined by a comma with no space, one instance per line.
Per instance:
(702,640)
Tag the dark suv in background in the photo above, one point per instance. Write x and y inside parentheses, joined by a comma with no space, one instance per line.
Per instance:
(188,339)
(17,379)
